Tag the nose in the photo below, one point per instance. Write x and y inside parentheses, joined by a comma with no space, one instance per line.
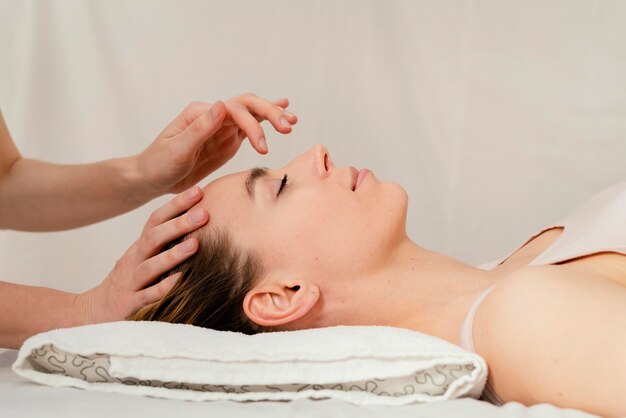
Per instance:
(321,160)
(316,162)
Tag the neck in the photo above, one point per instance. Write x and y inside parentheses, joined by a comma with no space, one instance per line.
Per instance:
(417,289)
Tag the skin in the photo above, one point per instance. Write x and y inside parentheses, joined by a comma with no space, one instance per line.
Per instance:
(333,256)
(41,196)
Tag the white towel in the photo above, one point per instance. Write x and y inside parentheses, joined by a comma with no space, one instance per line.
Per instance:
(359,364)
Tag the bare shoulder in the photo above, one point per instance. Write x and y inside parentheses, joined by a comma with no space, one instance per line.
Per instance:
(549,335)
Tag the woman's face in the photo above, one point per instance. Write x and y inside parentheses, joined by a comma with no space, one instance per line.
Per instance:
(318,227)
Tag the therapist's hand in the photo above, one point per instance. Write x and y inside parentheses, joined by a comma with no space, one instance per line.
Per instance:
(204,137)
(129,286)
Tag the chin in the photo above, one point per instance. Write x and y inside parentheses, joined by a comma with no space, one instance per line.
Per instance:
(396,195)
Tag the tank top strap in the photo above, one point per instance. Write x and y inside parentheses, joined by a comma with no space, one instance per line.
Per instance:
(467,339)
(467,343)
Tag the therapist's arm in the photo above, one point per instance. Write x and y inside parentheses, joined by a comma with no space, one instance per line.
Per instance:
(134,282)
(28,310)
(41,196)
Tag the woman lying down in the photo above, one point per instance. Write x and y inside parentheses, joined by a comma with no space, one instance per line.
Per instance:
(315,245)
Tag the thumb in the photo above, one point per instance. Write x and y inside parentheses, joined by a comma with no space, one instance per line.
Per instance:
(198,131)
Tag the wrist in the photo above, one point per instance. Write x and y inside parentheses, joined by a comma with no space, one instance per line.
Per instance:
(88,306)
(80,306)
(136,187)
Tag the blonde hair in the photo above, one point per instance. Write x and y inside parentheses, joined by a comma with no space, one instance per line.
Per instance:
(211,288)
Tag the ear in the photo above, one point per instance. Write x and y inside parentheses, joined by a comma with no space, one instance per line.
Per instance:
(280,302)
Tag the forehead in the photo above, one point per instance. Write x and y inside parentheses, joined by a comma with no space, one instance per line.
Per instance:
(228,203)
(224,183)
(220,191)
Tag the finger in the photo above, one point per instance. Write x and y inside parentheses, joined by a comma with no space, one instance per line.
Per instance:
(186,117)
(192,111)
(155,293)
(284,102)
(152,268)
(249,125)
(278,117)
(291,118)
(225,148)
(201,129)
(154,239)
(177,205)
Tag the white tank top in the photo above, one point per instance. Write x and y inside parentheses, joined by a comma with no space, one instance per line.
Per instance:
(599,225)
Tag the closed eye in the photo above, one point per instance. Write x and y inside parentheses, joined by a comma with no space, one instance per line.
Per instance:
(283,183)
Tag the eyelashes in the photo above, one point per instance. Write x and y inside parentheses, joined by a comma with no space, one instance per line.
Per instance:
(283,183)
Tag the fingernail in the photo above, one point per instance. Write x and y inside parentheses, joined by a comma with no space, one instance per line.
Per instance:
(214,110)
(284,122)
(191,193)
(288,114)
(262,143)
(187,246)
(196,216)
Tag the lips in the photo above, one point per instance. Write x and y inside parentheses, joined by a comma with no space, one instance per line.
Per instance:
(358,176)
(362,174)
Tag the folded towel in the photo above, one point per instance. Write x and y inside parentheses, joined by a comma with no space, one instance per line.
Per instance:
(359,364)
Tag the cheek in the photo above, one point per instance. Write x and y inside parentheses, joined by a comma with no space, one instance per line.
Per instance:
(325,232)
(317,232)
(353,230)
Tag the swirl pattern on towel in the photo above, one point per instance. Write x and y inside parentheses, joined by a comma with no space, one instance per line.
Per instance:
(95,369)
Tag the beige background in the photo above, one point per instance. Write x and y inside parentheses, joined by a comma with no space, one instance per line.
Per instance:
(498,117)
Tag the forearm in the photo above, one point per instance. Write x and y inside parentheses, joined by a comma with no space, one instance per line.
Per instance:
(40,196)
(28,310)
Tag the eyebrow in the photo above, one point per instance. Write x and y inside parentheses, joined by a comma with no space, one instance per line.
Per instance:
(255,173)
